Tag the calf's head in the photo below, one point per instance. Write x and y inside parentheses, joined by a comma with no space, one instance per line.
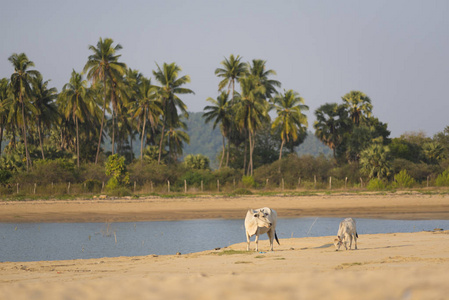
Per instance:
(337,243)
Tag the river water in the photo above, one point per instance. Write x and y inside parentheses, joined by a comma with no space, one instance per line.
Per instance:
(62,241)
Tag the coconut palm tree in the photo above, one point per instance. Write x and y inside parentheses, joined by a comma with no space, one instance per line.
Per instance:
(103,65)
(20,85)
(168,91)
(146,108)
(221,113)
(76,104)
(359,106)
(258,69)
(44,102)
(233,69)
(251,111)
(4,96)
(290,118)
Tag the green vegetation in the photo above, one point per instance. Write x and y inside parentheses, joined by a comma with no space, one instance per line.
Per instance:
(116,131)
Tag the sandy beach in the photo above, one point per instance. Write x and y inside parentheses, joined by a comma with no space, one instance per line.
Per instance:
(385,266)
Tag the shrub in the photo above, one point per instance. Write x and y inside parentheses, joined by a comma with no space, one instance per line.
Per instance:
(92,185)
(195,177)
(403,179)
(248,181)
(5,175)
(443,179)
(115,167)
(376,184)
(242,192)
(199,161)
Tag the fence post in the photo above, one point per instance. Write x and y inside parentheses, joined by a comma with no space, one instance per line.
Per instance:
(330,182)
(266,185)
(151,186)
(185,186)
(346,181)
(314,181)
(68,188)
(168,183)
(34,191)
(361,182)
(201,186)
(299,181)
(218,185)
(17,187)
(282,184)
(427,181)
(134,186)
(102,187)
(234,183)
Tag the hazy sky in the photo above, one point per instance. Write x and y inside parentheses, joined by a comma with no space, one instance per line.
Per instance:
(397,52)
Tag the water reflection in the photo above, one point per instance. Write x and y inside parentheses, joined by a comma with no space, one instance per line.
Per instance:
(60,241)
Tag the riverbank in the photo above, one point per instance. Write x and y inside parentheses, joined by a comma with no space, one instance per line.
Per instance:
(385,266)
(411,205)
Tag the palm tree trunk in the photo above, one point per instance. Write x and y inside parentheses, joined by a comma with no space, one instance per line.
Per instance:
(143,135)
(77,143)
(280,155)
(102,120)
(244,156)
(24,130)
(113,132)
(160,144)
(1,139)
(222,154)
(40,137)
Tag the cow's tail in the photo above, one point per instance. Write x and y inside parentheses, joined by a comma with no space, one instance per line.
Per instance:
(276,237)
(356,235)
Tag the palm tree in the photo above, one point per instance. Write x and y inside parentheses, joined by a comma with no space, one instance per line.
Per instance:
(176,139)
(251,112)
(290,118)
(4,96)
(146,108)
(44,102)
(221,113)
(375,161)
(20,84)
(359,106)
(330,119)
(258,70)
(104,66)
(75,102)
(168,92)
(233,69)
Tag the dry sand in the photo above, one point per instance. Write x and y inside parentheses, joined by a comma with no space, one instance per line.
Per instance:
(386,266)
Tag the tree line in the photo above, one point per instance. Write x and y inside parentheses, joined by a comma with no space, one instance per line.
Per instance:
(260,124)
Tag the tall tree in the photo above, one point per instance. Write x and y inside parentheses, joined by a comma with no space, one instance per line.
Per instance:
(4,96)
(76,104)
(251,112)
(375,161)
(44,102)
(220,112)
(329,125)
(146,108)
(259,70)
(103,65)
(290,117)
(169,89)
(358,105)
(233,69)
(20,85)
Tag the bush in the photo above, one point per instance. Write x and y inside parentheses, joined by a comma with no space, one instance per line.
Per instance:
(46,172)
(93,185)
(376,185)
(115,167)
(5,175)
(248,181)
(403,179)
(242,192)
(195,177)
(443,179)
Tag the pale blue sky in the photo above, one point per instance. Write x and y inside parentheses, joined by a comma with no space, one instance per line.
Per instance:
(394,51)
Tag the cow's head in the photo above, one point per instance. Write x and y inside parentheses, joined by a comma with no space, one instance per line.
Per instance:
(261,219)
(337,243)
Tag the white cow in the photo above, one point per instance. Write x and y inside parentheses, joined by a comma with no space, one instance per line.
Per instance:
(346,231)
(260,221)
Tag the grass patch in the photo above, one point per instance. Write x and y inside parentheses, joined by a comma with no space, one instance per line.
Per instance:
(259,256)
(242,262)
(231,252)
(279,258)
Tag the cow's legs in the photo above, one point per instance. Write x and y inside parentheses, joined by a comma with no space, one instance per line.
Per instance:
(355,241)
(257,240)
(350,241)
(270,234)
(248,240)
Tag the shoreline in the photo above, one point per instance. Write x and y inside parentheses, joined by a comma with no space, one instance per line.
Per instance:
(375,206)
(385,266)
